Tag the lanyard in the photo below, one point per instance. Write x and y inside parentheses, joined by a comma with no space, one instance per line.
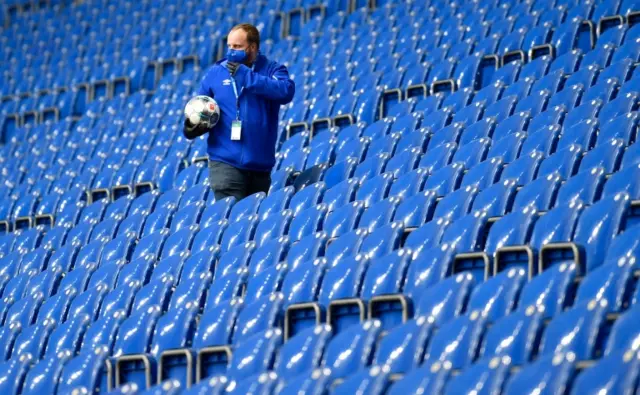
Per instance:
(235,92)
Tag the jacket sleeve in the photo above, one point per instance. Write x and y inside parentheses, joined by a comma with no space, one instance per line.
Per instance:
(205,87)
(278,88)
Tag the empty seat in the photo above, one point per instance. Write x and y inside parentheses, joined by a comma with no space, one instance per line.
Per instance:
(445,180)
(615,371)
(430,377)
(409,184)
(456,204)
(624,127)
(564,162)
(246,207)
(519,326)
(484,174)
(359,340)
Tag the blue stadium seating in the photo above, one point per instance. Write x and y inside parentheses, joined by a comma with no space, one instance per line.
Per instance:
(454,206)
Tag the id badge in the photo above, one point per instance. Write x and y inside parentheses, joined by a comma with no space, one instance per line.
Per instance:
(236,130)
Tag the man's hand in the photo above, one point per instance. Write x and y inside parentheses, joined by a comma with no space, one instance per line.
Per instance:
(188,125)
(192,131)
(232,67)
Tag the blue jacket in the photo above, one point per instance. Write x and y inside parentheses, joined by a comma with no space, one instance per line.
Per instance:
(262,89)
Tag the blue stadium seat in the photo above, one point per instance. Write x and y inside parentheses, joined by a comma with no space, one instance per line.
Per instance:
(497,199)
(416,210)
(552,82)
(408,184)
(522,327)
(604,91)
(415,139)
(490,373)
(484,174)
(265,282)
(273,227)
(83,370)
(473,152)
(47,371)
(585,186)
(446,179)
(378,214)
(260,349)
(246,207)
(14,372)
(456,204)
(595,245)
(557,280)
(448,134)
(360,344)
(567,62)
(208,237)
(340,171)
(556,369)
(620,71)
(507,74)
(616,371)
(458,341)
(239,232)
(583,134)
(79,235)
(430,377)
(534,103)
(217,211)
(269,254)
(445,300)
(619,106)
(523,169)
(403,162)
(479,130)
(23,311)
(622,181)
(564,162)
(438,119)
(233,260)
(314,338)
(343,219)
(32,340)
(503,108)
(591,316)
(429,104)
(372,380)
(263,313)
(374,189)
(553,116)
(438,157)
(498,295)
(609,283)
(306,198)
(623,127)
(169,200)
(539,194)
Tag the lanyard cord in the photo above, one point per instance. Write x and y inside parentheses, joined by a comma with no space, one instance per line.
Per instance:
(235,92)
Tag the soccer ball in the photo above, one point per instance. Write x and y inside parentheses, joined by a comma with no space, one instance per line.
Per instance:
(202,110)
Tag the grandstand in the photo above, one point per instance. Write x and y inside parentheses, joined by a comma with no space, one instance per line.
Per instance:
(454,208)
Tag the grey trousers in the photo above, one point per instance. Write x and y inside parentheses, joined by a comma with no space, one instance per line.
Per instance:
(226,180)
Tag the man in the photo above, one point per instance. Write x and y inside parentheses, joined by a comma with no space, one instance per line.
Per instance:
(249,89)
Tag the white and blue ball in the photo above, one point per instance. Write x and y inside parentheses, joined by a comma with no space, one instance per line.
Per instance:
(202,110)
